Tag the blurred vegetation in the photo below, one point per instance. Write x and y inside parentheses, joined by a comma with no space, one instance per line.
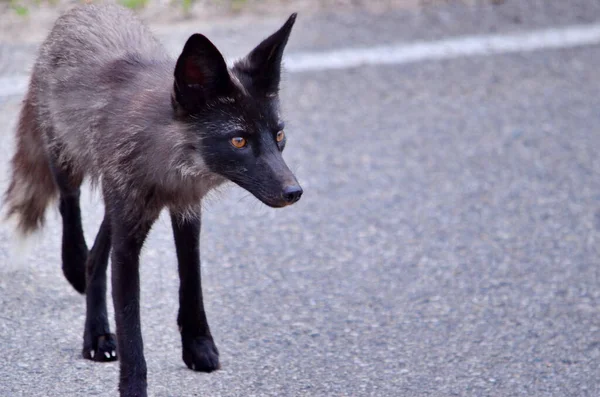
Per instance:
(134,4)
(18,8)
(22,7)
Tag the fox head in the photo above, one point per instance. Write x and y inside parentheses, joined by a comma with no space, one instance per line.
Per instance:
(235,114)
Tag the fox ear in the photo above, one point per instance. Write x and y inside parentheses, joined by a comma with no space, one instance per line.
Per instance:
(200,73)
(263,64)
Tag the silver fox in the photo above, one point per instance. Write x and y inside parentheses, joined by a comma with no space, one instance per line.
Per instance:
(106,102)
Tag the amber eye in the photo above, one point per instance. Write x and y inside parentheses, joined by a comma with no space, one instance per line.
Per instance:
(238,142)
(280,136)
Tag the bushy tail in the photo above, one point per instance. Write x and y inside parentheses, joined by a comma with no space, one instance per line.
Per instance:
(32,185)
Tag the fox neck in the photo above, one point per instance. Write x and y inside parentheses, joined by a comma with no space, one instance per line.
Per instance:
(170,161)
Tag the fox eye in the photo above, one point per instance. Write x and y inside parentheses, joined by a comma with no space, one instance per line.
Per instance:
(238,142)
(280,136)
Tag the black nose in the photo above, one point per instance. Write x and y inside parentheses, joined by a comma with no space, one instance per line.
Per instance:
(291,194)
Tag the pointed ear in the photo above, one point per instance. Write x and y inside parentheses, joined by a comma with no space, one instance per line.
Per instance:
(263,64)
(200,74)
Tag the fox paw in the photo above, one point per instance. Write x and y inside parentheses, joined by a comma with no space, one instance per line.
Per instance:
(200,354)
(104,348)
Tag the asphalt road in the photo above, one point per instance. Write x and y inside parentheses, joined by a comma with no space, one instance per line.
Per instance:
(447,242)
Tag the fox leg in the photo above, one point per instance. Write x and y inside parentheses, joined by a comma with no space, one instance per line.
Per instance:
(74,248)
(198,347)
(129,225)
(98,343)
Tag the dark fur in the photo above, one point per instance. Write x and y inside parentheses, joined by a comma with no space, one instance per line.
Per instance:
(106,102)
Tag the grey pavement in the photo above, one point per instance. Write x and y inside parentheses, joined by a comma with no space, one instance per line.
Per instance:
(447,243)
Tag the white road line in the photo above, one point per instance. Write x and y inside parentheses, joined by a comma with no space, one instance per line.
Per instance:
(395,54)
(465,46)
(13,85)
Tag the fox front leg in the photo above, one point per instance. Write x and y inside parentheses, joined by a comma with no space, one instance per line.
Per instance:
(127,239)
(198,347)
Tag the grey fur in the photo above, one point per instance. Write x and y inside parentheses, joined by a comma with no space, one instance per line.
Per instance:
(91,105)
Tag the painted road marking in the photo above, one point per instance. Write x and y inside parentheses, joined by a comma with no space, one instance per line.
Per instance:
(401,53)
